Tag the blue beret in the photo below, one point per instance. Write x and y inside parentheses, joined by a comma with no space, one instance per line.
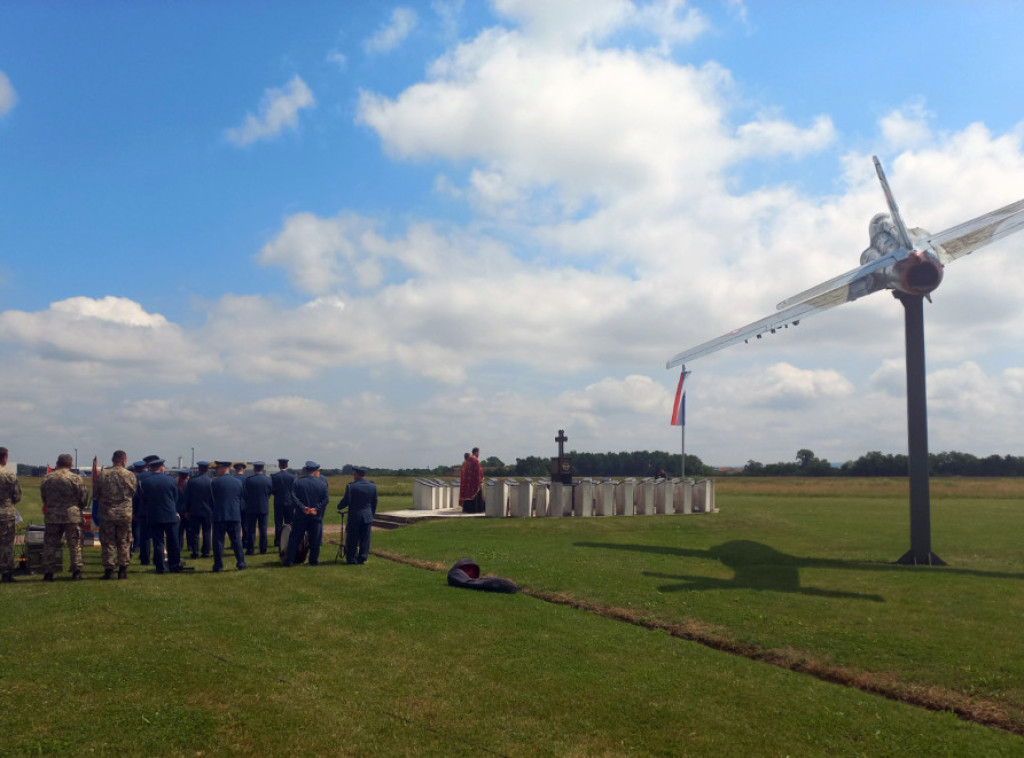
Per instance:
(312,465)
(139,464)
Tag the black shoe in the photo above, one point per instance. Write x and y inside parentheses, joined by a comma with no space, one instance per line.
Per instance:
(108,573)
(196,555)
(205,555)
(216,569)
(8,577)
(242,566)
(76,576)
(47,577)
(122,572)
(250,552)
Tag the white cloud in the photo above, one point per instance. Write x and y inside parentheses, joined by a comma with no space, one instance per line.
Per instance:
(772,136)
(279,110)
(393,33)
(8,97)
(907,127)
(636,394)
(110,341)
(337,58)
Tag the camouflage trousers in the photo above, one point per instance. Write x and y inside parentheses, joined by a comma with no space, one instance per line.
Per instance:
(53,554)
(6,546)
(115,542)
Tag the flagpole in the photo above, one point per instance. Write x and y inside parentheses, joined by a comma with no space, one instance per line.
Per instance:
(682,427)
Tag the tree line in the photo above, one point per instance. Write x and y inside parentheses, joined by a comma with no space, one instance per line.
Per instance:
(887,464)
(641,463)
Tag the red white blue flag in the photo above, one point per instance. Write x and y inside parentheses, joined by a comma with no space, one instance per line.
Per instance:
(679,407)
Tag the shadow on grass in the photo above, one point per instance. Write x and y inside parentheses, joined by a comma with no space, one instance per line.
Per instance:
(756,567)
(738,552)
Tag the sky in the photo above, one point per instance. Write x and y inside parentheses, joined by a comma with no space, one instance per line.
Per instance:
(382,234)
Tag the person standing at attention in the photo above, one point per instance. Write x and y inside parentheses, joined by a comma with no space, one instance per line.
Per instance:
(310,495)
(10,495)
(227,516)
(160,500)
(282,483)
(65,498)
(361,500)
(471,484)
(115,489)
(198,498)
(256,493)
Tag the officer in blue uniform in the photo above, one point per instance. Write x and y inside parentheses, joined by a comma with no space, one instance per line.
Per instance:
(238,471)
(361,500)
(141,538)
(310,495)
(227,515)
(160,501)
(256,493)
(282,483)
(198,498)
(184,474)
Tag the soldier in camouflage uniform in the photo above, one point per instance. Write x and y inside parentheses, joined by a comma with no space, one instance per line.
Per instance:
(10,493)
(65,497)
(114,490)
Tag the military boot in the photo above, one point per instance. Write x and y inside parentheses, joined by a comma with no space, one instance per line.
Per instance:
(48,577)
(122,572)
(108,573)
(8,577)
(76,575)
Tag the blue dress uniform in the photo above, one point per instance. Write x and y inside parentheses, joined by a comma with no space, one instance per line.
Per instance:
(361,500)
(282,483)
(183,476)
(308,492)
(160,501)
(227,515)
(141,539)
(198,498)
(256,493)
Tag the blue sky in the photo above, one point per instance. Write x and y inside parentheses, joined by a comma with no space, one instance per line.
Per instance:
(364,232)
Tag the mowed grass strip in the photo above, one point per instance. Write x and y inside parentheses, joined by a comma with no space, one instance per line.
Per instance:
(386,659)
(807,581)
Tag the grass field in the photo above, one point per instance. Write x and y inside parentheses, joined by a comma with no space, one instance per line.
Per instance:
(614,648)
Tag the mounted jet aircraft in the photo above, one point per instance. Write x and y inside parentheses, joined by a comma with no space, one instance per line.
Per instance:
(910,261)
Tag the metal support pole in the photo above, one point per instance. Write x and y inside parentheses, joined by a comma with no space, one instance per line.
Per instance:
(683,456)
(920,552)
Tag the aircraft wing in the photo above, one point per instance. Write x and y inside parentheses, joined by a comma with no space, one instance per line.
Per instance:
(843,279)
(851,286)
(967,237)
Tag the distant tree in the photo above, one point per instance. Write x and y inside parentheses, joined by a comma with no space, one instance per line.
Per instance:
(532,466)
(753,468)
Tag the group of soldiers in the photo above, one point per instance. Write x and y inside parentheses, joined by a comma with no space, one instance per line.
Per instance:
(146,508)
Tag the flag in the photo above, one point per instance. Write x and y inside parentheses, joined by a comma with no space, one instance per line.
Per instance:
(679,407)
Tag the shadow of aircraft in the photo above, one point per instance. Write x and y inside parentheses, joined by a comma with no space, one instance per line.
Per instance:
(737,554)
(755,566)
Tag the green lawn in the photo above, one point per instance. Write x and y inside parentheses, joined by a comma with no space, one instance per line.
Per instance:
(385,659)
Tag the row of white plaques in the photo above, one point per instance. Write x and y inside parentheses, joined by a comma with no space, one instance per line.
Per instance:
(524,498)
